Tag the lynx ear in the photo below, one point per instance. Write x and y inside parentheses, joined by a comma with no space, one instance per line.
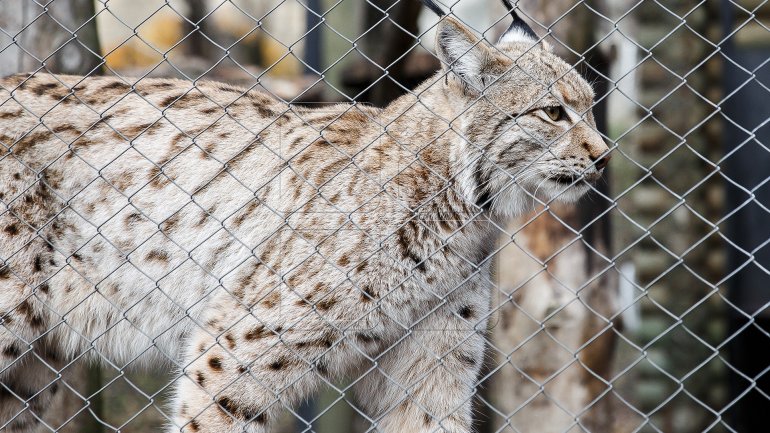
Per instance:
(469,58)
(518,31)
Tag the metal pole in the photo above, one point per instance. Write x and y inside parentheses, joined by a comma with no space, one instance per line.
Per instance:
(313,39)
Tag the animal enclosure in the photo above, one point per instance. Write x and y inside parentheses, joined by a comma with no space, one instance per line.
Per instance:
(644,306)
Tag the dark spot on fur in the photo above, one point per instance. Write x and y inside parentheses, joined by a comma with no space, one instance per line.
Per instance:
(58,129)
(116,85)
(247,414)
(278,364)
(133,217)
(301,302)
(241,369)
(168,100)
(170,222)
(427,419)
(44,288)
(365,337)
(215,363)
(367,294)
(264,111)
(36,321)
(403,241)
(230,340)
(37,266)
(466,312)
(255,333)
(54,388)
(272,299)
(25,307)
(200,378)
(137,130)
(194,426)
(11,351)
(157,256)
(228,88)
(41,89)
(227,404)
(10,114)
(325,304)
(5,272)
(162,85)
(344,260)
(12,229)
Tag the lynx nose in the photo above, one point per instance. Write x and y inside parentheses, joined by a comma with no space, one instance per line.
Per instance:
(601,162)
(599,153)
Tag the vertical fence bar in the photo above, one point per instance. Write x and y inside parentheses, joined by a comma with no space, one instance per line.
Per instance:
(747,229)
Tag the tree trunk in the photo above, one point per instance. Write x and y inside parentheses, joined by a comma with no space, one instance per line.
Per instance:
(387,42)
(552,342)
(60,38)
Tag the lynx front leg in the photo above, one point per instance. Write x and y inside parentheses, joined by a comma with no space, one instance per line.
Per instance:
(427,382)
(239,379)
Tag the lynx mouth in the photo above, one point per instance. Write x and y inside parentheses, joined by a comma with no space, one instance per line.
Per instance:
(565,179)
(569,179)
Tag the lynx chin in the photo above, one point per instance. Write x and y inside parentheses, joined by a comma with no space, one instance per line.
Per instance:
(259,250)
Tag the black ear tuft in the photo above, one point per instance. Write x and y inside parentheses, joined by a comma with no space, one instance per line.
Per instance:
(518,30)
(430,4)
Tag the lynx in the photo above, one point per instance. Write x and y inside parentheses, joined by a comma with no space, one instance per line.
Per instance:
(260,250)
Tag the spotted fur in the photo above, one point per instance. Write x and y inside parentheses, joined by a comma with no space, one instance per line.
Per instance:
(266,248)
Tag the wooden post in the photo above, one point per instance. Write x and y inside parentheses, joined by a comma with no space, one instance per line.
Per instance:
(61,37)
(387,43)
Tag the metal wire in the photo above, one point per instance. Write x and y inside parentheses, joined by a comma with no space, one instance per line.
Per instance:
(634,362)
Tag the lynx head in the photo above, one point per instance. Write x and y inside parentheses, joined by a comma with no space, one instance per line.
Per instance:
(524,114)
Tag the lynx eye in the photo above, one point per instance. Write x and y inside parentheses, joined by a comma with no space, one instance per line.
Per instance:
(556,112)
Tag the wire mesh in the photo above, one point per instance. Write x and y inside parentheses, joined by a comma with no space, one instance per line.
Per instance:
(642,307)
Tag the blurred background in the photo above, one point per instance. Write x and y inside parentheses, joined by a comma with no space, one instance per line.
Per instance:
(642,308)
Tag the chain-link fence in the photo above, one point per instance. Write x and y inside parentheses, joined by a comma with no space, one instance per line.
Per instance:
(282,236)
